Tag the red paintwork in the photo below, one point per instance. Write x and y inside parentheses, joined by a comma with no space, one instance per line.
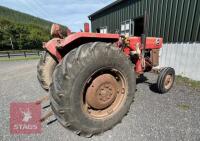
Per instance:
(62,43)
(51,47)
(138,67)
(86,27)
(127,50)
(79,35)
(151,43)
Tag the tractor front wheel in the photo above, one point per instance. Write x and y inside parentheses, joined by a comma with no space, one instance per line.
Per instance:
(93,88)
(165,79)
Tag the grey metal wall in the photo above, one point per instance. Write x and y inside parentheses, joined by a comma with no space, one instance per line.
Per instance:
(183,57)
(175,20)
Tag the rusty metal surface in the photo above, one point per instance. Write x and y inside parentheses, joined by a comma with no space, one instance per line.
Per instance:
(155,57)
(102,92)
(105,95)
(168,81)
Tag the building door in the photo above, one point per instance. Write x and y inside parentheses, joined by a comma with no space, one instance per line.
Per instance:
(138,26)
(98,30)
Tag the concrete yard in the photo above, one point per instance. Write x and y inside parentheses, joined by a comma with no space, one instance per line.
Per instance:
(152,117)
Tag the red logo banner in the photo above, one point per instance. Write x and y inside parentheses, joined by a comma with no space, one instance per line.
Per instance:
(25,118)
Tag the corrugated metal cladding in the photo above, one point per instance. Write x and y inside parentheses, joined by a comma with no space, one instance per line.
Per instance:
(174,20)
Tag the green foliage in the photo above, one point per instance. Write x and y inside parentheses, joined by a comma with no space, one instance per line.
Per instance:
(22,18)
(21,36)
(22,31)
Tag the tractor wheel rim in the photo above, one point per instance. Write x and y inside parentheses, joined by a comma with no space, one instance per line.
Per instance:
(102,92)
(168,81)
(105,95)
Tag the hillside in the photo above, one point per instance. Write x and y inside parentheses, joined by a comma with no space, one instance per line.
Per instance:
(22,31)
(22,18)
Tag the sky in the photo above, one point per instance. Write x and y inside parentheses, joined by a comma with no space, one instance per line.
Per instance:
(71,13)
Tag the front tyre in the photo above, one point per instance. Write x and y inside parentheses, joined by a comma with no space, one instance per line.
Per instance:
(165,80)
(93,88)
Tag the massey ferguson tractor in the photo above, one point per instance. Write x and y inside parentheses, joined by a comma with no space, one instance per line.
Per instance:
(91,77)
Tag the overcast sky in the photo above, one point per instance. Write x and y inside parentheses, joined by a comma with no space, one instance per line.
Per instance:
(72,13)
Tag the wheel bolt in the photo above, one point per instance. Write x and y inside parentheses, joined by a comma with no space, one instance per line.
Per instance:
(123,90)
(118,91)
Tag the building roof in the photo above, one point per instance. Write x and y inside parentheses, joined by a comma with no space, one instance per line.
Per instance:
(105,8)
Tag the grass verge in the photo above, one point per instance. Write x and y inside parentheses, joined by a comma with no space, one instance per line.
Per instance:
(183,107)
(187,82)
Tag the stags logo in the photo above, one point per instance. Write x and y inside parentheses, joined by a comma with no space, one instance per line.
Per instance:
(25,118)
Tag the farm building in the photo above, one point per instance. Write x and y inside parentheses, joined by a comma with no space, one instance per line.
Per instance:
(177,21)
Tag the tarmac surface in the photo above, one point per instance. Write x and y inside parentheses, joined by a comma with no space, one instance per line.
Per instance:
(152,116)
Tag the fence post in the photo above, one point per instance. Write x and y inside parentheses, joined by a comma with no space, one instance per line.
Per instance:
(38,53)
(24,54)
(8,55)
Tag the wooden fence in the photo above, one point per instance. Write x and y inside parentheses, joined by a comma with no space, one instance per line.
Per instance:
(24,53)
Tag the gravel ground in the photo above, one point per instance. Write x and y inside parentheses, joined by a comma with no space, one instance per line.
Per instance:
(153,117)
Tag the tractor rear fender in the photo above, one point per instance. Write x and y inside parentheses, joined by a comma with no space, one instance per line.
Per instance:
(58,48)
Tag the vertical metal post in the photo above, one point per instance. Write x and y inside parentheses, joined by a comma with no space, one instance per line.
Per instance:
(24,54)
(133,27)
(8,55)
(145,33)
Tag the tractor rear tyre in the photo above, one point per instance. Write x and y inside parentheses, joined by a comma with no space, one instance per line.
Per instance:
(165,80)
(45,70)
(93,88)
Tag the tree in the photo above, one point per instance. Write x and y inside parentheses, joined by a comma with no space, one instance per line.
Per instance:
(23,36)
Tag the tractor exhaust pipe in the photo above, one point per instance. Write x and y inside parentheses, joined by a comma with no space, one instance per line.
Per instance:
(86,27)
(145,32)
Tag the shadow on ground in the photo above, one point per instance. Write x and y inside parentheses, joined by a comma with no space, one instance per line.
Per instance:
(144,79)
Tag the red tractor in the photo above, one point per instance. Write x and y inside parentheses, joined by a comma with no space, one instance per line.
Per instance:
(91,77)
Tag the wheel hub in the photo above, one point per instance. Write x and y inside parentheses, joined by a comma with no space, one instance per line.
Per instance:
(102,92)
(168,81)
